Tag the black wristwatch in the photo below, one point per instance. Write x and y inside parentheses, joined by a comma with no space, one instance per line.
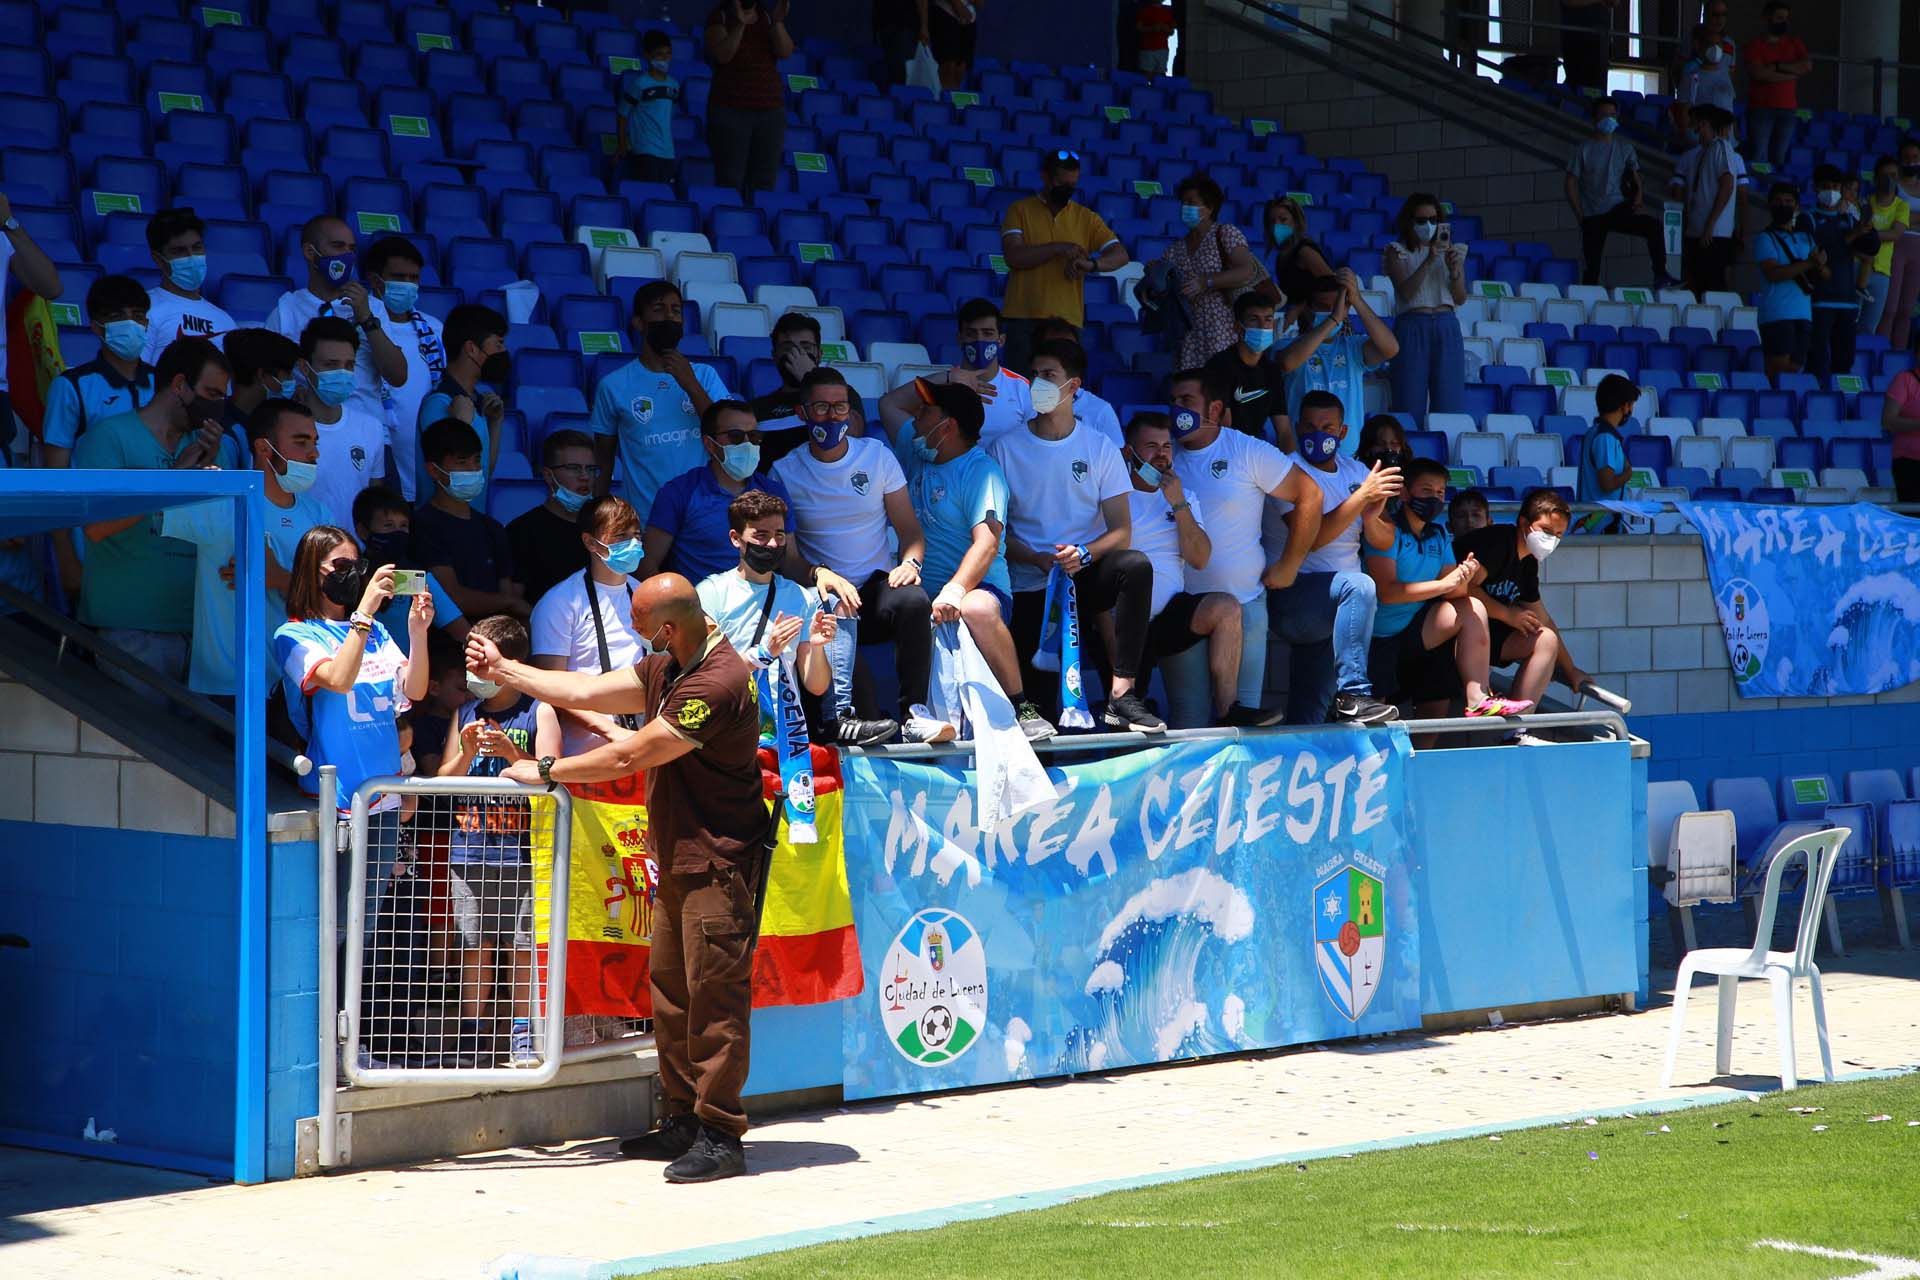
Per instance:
(546,769)
(370,325)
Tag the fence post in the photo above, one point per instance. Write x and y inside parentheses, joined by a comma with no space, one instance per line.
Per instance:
(327,838)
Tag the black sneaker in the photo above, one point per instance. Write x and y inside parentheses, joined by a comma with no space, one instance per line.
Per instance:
(673,1139)
(1359,708)
(713,1156)
(1242,716)
(851,731)
(1036,726)
(1129,711)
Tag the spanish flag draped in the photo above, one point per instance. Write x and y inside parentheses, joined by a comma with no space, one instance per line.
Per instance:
(808,953)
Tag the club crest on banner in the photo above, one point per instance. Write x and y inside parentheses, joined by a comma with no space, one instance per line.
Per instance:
(1743,617)
(933,996)
(1350,937)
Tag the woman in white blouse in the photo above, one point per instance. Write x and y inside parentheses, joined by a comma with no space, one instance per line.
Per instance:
(1429,280)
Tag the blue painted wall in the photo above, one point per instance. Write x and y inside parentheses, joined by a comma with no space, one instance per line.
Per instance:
(1725,744)
(293,997)
(122,1008)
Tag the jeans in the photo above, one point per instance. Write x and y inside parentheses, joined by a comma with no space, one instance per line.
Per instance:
(746,147)
(1121,581)
(1770,133)
(1253,653)
(165,651)
(1832,347)
(1430,373)
(903,614)
(1876,303)
(1622,219)
(1328,619)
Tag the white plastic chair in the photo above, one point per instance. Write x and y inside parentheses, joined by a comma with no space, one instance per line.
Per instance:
(1617,314)
(708,294)
(1523,353)
(1754,452)
(1725,299)
(1851,479)
(1674,429)
(1580,402)
(891,355)
(1596,373)
(1701,316)
(1522,311)
(1454,424)
(866,379)
(1587,294)
(1541,452)
(1470,313)
(618,263)
(1476,352)
(691,265)
(1509,425)
(1563,476)
(905,373)
(1481,450)
(672,244)
(832,321)
(1744,318)
(1660,317)
(1677,297)
(1704,452)
(1127,280)
(736,320)
(1819,850)
(1540,290)
(1723,429)
(1495,329)
(1569,312)
(1822,495)
(782,298)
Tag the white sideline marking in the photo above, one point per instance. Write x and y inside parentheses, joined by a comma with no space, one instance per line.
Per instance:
(1885,1266)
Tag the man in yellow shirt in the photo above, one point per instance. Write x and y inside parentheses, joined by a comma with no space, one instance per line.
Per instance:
(1051,242)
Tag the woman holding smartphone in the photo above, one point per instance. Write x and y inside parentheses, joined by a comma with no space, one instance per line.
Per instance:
(1429,280)
(345,677)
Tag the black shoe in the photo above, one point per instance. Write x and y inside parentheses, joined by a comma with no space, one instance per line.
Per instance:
(673,1139)
(1128,711)
(1242,716)
(714,1156)
(1358,708)
(851,731)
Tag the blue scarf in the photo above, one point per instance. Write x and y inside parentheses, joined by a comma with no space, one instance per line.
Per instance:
(780,703)
(1060,644)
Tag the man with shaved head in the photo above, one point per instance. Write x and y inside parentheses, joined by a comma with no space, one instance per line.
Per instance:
(707,827)
(333,288)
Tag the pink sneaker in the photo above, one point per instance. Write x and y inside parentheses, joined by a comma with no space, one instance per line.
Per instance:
(1501,707)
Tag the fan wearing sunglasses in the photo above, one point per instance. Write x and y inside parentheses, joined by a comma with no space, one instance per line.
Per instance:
(687,531)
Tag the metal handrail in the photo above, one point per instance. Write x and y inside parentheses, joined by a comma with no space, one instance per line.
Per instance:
(120,660)
(1610,720)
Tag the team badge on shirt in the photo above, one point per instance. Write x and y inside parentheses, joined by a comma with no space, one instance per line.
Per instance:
(642,409)
(1218,467)
(861,483)
(693,713)
(1080,470)
(359,456)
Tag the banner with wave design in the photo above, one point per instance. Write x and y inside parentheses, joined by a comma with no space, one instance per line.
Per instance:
(1203,897)
(1814,602)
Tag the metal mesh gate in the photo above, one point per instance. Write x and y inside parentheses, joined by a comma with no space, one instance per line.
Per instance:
(454,947)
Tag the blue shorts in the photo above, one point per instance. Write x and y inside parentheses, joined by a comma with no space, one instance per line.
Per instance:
(1006,601)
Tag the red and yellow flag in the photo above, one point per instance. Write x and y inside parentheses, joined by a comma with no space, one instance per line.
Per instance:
(808,953)
(33,356)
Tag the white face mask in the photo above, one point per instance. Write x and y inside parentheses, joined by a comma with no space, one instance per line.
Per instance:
(1714,53)
(1541,543)
(1046,396)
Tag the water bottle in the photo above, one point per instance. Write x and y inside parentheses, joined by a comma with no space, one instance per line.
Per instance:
(522,1044)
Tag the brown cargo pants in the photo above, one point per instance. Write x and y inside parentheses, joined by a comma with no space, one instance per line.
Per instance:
(701,970)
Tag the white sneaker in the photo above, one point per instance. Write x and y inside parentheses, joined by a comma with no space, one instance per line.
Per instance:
(923,726)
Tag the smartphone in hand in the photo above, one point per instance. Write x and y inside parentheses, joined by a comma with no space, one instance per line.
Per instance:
(409,582)
(1443,235)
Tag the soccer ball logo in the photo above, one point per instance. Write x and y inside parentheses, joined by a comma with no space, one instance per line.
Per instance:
(932,988)
(936,1026)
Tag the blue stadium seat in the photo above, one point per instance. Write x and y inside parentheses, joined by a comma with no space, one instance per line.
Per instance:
(1798,452)
(33,176)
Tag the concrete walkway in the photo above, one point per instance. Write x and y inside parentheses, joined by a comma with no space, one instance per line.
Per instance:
(918,1163)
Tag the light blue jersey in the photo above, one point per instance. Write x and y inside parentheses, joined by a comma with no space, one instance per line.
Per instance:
(653,418)
(209,527)
(353,731)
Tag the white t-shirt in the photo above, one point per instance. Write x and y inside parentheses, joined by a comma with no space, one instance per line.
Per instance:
(1342,555)
(1010,408)
(1089,410)
(421,340)
(171,317)
(1054,492)
(736,605)
(562,627)
(1232,477)
(299,306)
(839,509)
(1157,537)
(353,454)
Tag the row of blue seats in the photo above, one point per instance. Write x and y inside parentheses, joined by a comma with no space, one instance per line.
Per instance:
(1814,407)
(1880,807)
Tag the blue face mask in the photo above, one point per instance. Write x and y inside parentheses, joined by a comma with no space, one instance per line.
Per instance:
(299,476)
(662,65)
(979,354)
(1281,232)
(1149,474)
(188,273)
(924,448)
(464,485)
(1190,215)
(400,297)
(570,501)
(1607,124)
(125,338)
(828,435)
(1319,446)
(334,386)
(622,556)
(1258,340)
(337,269)
(285,390)
(1183,422)
(740,460)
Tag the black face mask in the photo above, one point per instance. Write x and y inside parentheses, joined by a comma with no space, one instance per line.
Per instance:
(496,368)
(1060,196)
(1385,457)
(1425,508)
(347,583)
(1777,28)
(665,335)
(200,409)
(388,548)
(760,557)
(1782,216)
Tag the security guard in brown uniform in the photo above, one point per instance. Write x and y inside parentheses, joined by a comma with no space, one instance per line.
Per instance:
(706,823)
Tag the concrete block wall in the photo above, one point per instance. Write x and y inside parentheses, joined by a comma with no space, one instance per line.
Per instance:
(56,768)
(1638,614)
